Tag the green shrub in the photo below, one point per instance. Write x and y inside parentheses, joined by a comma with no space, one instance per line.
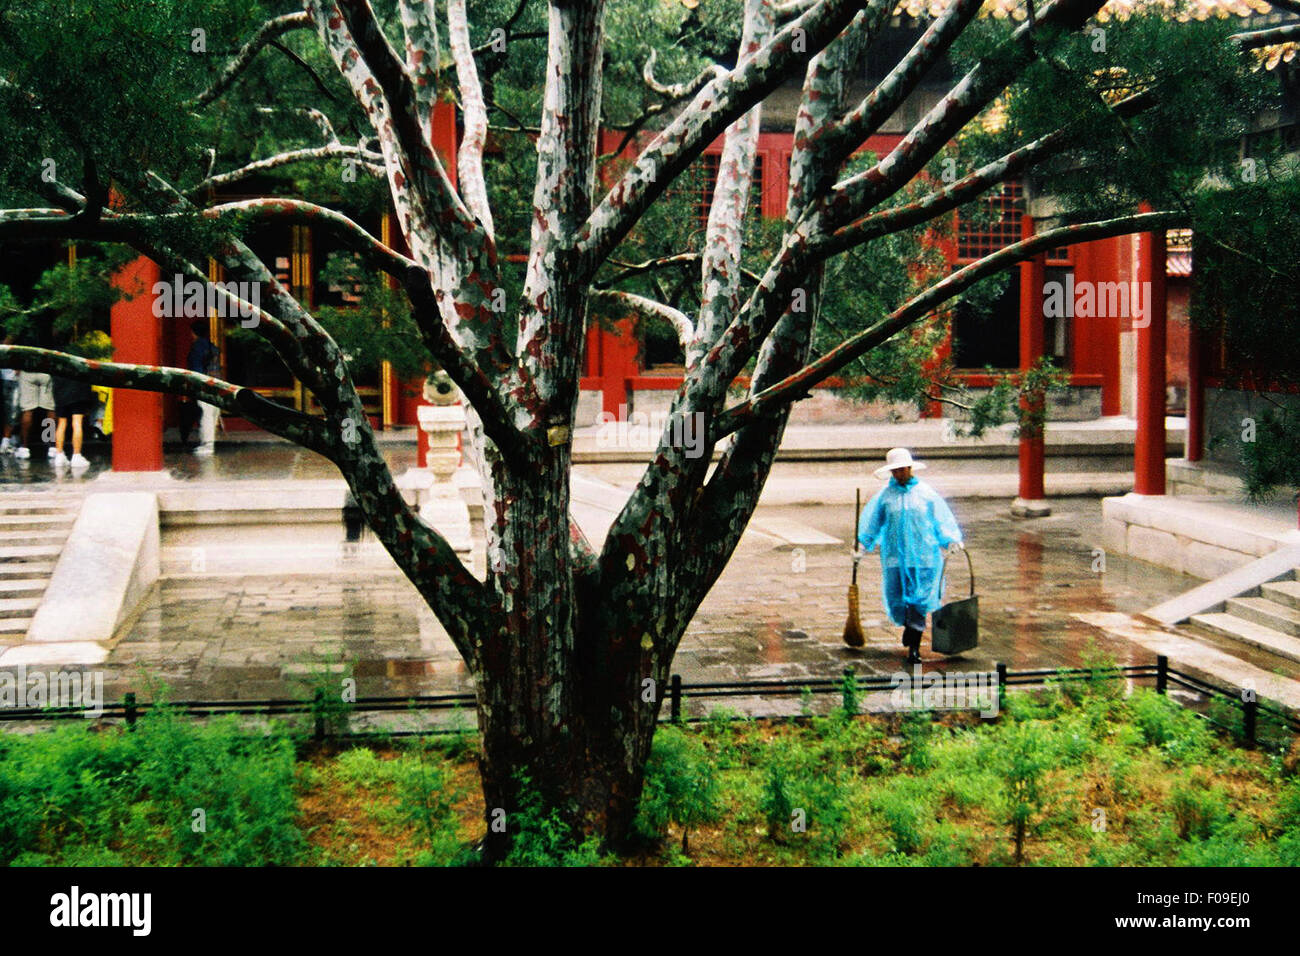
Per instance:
(917,729)
(850,696)
(72,796)
(361,767)
(329,688)
(1165,724)
(905,814)
(1021,754)
(802,801)
(726,733)
(426,801)
(216,795)
(777,802)
(61,787)
(680,786)
(1234,843)
(539,837)
(806,701)
(1197,811)
(950,845)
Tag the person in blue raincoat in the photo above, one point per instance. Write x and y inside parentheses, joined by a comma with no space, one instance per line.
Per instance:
(912,525)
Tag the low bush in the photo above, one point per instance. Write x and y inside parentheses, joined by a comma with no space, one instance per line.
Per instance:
(681,786)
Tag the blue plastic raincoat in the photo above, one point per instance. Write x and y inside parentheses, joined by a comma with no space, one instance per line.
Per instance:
(912,525)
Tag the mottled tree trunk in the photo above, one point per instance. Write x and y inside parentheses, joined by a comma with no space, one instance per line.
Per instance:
(564,707)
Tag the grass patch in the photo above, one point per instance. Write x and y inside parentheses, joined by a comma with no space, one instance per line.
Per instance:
(1073,774)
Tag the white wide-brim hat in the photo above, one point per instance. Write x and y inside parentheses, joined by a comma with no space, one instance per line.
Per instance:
(898,458)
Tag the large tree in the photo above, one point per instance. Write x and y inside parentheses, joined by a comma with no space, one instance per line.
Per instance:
(561,637)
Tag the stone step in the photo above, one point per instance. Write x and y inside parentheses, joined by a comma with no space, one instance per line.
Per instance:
(34,505)
(25,552)
(1248,632)
(19,607)
(1260,610)
(34,536)
(55,519)
(14,625)
(1283,592)
(15,587)
(23,570)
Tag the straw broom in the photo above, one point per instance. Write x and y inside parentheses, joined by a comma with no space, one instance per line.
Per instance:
(853,635)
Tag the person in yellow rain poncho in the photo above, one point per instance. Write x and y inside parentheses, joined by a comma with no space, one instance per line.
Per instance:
(912,525)
(104,417)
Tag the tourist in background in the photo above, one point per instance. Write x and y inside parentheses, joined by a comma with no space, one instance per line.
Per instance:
(73,401)
(35,392)
(204,358)
(9,409)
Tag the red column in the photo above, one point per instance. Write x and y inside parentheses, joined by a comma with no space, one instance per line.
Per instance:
(444,135)
(1030,502)
(1149,447)
(618,355)
(1104,266)
(1195,444)
(137,339)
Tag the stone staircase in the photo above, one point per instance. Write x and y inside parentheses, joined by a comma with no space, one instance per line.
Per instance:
(1266,618)
(33,530)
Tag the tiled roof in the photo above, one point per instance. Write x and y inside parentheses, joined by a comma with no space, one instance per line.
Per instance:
(1115,9)
(1269,57)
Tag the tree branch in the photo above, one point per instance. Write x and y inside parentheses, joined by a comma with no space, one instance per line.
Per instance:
(649,308)
(678,91)
(373,252)
(469,163)
(420,28)
(477,387)
(265,34)
(301,429)
(797,385)
(379,81)
(716,106)
(851,197)
(362,157)
(842,138)
(552,313)
(725,228)
(1255,39)
(631,270)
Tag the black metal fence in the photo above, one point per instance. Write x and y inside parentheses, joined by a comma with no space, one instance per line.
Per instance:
(130,709)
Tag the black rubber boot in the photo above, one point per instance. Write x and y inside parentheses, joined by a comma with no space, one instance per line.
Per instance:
(912,641)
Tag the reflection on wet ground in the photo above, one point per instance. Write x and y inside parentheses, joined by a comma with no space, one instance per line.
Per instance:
(773,614)
(38,473)
(261,459)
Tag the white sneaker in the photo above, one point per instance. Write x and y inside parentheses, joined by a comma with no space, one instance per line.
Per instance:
(60,460)
(53,452)
(204,451)
(21,452)
(79,461)
(6,446)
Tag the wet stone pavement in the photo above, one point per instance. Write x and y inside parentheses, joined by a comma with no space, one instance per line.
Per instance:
(774,614)
(246,460)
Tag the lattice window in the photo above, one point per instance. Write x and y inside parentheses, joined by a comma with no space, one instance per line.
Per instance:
(996,226)
(1178,240)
